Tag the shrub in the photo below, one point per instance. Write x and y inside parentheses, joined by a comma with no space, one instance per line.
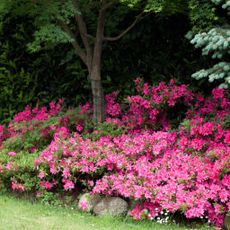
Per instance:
(17,171)
(135,154)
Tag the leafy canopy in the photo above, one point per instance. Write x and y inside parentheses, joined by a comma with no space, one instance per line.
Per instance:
(48,15)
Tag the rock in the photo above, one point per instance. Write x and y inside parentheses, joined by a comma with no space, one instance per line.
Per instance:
(87,201)
(227,222)
(113,206)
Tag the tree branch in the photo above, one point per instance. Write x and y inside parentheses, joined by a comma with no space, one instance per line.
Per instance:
(82,28)
(96,63)
(106,6)
(78,50)
(90,37)
(138,18)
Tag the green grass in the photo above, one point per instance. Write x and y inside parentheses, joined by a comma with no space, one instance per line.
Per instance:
(18,214)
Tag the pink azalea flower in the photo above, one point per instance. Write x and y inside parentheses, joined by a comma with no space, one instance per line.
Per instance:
(12,154)
(83,205)
(68,185)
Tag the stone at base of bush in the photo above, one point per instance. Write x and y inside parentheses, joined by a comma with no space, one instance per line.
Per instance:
(227,222)
(113,206)
(87,201)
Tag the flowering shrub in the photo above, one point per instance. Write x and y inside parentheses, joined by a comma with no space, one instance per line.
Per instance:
(33,129)
(151,167)
(135,154)
(30,131)
(32,126)
(17,171)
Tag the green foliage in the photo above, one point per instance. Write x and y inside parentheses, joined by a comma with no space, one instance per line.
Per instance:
(33,137)
(131,3)
(17,90)
(51,34)
(50,16)
(160,50)
(49,198)
(226,123)
(167,7)
(217,72)
(105,129)
(23,170)
(225,4)
(186,125)
(216,42)
(18,85)
(30,78)
(201,14)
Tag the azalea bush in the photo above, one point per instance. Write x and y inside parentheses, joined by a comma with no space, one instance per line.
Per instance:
(169,160)
(25,136)
(18,172)
(153,168)
(34,128)
(30,127)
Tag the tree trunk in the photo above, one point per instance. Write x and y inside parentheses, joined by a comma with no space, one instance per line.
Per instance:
(98,98)
(91,56)
(95,73)
(97,89)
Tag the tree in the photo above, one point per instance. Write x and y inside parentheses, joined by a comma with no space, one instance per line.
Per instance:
(215,41)
(84,23)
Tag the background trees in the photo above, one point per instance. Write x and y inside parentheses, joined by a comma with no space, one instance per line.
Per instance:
(66,40)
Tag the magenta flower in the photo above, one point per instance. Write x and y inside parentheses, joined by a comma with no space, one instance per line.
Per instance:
(68,185)
(12,154)
(83,205)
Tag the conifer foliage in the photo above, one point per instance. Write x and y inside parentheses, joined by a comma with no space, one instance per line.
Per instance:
(216,43)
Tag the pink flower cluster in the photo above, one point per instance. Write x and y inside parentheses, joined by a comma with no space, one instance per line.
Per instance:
(39,114)
(25,120)
(41,125)
(113,108)
(83,205)
(17,186)
(146,210)
(12,154)
(2,136)
(149,108)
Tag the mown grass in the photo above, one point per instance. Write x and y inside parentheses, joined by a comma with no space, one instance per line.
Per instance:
(16,214)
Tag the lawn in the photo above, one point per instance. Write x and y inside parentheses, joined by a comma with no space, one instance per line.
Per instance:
(18,214)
